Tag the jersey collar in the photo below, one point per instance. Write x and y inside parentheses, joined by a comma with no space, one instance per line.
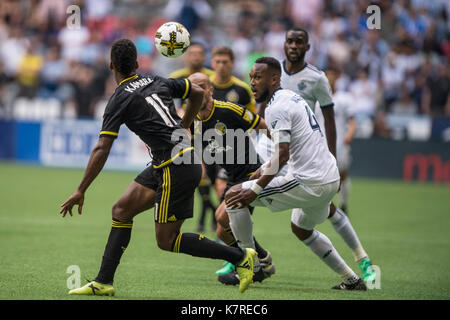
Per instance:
(129,78)
(290,74)
(273,95)
(221,86)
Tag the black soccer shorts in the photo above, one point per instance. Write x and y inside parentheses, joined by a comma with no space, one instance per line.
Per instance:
(175,185)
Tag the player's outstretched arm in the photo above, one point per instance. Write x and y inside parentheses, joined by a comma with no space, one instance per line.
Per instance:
(330,129)
(193,105)
(97,160)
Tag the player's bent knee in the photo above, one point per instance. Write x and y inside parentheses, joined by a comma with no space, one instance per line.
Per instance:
(164,241)
(301,234)
(165,237)
(234,190)
(120,213)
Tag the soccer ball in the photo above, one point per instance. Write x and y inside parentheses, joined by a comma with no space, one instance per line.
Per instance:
(172,39)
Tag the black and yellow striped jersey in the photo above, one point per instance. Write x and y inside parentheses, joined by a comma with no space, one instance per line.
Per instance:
(185,72)
(225,139)
(235,91)
(145,105)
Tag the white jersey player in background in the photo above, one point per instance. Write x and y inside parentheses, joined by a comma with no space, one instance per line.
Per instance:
(312,177)
(345,131)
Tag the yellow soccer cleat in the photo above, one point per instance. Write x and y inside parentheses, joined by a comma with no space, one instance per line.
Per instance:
(94,288)
(245,269)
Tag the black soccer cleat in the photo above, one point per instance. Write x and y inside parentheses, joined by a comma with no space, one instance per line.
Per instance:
(259,276)
(359,285)
(232,278)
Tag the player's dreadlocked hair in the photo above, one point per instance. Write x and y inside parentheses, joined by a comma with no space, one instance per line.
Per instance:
(124,56)
(272,63)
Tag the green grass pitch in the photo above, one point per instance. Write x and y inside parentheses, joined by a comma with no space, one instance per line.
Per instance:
(403,227)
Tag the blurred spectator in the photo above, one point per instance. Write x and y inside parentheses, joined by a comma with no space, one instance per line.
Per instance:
(93,49)
(303,13)
(28,72)
(49,10)
(84,92)
(372,53)
(436,95)
(404,105)
(272,39)
(72,42)
(392,78)
(364,91)
(3,89)
(339,49)
(12,50)
(53,73)
(188,12)
(98,9)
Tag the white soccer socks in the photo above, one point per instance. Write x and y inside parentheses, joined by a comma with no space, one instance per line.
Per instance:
(323,248)
(345,229)
(241,224)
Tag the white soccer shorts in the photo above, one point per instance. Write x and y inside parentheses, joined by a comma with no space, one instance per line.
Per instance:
(285,192)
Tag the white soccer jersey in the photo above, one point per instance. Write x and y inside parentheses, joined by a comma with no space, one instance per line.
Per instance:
(310,83)
(310,161)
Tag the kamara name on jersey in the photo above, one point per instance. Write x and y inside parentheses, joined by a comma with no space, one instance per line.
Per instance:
(138,84)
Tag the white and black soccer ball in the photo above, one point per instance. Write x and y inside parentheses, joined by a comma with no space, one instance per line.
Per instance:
(172,39)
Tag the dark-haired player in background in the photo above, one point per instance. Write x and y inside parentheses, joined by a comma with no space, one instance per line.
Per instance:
(195,58)
(226,86)
(145,105)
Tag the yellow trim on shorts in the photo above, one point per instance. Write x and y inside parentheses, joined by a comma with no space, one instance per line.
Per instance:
(168,194)
(164,204)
